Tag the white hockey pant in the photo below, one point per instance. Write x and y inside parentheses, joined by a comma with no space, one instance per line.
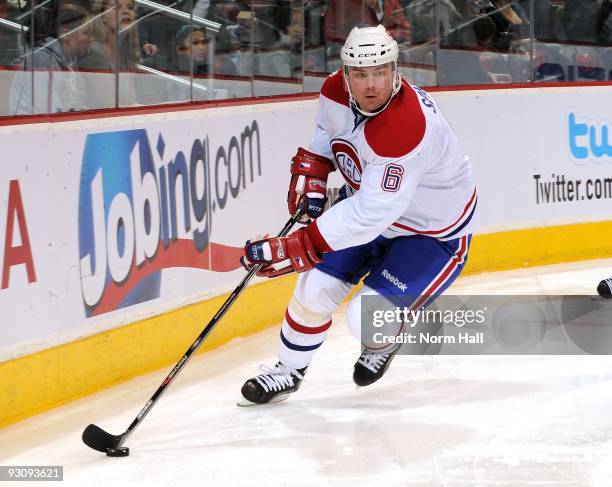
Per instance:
(309,314)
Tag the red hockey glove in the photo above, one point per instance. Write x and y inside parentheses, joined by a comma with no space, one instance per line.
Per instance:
(308,184)
(296,250)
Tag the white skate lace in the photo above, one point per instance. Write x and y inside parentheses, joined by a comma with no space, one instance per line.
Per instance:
(277,377)
(373,361)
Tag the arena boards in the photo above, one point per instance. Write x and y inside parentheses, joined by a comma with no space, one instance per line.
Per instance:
(82,311)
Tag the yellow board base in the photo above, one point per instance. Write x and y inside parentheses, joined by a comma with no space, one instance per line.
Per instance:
(534,247)
(47,379)
(44,380)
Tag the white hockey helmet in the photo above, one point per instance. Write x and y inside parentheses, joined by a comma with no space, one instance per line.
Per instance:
(369,46)
(366,47)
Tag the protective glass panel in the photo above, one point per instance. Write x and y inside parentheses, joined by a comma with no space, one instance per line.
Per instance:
(514,20)
(315,49)
(99,64)
(163,73)
(477,39)
(573,40)
(548,62)
(417,60)
(233,47)
(47,78)
(279,48)
(14,31)
(328,23)
(74,55)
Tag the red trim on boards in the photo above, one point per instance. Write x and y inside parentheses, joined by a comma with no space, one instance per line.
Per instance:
(521,86)
(145,110)
(201,105)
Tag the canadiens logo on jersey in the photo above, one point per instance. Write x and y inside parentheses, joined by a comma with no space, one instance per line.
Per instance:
(348,162)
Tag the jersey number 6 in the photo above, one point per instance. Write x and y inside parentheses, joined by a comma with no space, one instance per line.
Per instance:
(392,178)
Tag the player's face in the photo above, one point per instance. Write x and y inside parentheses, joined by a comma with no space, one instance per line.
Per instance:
(372,86)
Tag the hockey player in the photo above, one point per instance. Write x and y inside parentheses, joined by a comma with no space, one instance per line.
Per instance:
(406,221)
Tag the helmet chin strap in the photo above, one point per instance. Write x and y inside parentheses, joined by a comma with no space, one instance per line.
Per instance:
(397,84)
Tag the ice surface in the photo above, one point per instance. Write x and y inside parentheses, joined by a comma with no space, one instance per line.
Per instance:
(432,421)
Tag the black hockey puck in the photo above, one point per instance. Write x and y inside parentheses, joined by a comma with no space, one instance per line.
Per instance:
(604,288)
(122,451)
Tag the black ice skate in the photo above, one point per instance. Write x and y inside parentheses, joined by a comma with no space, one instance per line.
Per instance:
(371,366)
(605,288)
(273,385)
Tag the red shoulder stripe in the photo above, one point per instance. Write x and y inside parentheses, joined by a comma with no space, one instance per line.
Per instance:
(400,128)
(333,89)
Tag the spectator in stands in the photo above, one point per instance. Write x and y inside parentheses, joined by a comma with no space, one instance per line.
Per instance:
(492,65)
(224,12)
(262,24)
(343,15)
(244,37)
(201,8)
(421,15)
(192,46)
(314,41)
(102,53)
(293,40)
(157,33)
(546,62)
(192,58)
(247,32)
(314,13)
(542,18)
(604,24)
(278,38)
(463,32)
(579,19)
(511,21)
(260,43)
(59,86)
(471,58)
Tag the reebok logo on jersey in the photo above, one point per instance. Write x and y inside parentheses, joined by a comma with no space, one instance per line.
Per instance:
(394,280)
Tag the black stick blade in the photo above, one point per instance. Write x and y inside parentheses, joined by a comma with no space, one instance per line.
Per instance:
(98,439)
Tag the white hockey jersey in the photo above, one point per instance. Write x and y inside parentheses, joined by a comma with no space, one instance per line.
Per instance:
(404,168)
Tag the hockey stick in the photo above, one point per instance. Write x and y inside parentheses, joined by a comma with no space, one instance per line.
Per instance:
(98,439)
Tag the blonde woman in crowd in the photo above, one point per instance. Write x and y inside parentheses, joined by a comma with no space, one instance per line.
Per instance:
(102,53)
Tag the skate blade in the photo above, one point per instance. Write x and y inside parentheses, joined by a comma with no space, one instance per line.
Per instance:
(245,403)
